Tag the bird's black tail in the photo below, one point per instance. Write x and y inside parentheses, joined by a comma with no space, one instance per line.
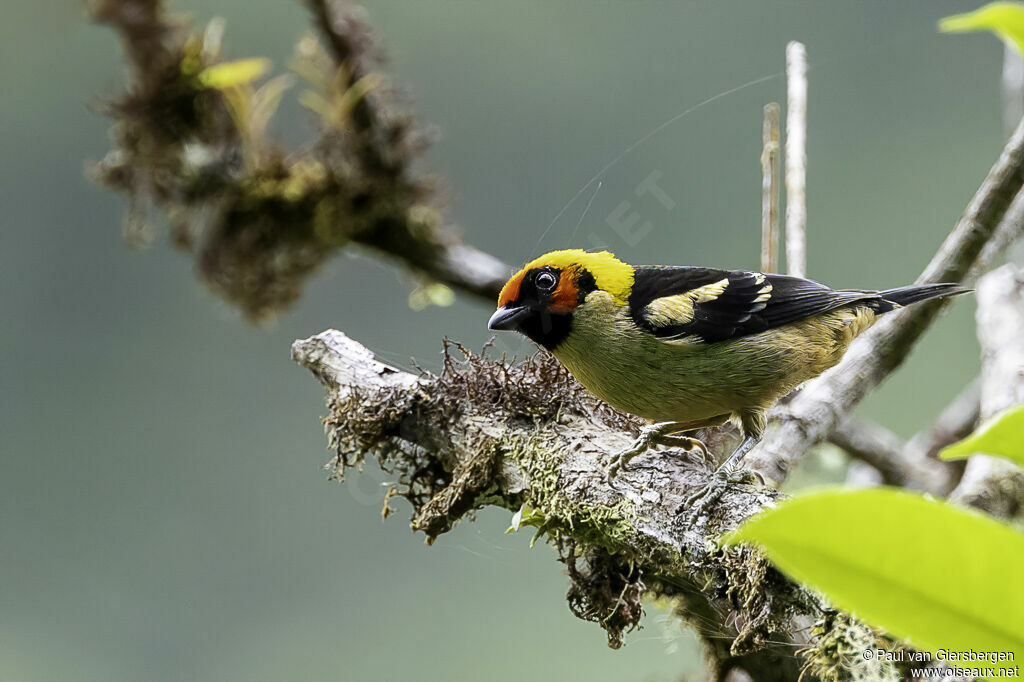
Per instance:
(902,296)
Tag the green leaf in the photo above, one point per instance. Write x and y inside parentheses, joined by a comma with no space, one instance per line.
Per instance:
(1005,19)
(431,293)
(1002,436)
(935,575)
(526,516)
(230,74)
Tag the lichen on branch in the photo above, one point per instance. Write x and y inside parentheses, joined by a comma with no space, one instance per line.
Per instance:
(528,438)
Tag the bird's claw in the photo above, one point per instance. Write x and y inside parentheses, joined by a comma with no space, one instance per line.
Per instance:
(697,504)
(613,470)
(707,494)
(688,444)
(651,435)
(618,461)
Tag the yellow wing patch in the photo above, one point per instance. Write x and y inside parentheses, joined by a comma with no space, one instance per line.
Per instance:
(670,310)
(610,274)
(678,309)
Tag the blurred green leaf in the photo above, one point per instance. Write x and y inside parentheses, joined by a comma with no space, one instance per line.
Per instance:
(357,91)
(431,293)
(1005,19)
(1002,435)
(231,74)
(935,575)
(265,102)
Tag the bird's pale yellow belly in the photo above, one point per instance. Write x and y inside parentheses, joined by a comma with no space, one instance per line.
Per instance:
(689,381)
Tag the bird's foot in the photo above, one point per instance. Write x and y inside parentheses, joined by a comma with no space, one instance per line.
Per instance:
(698,504)
(651,435)
(643,442)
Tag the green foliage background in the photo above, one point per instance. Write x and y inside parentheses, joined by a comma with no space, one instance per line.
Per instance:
(163,513)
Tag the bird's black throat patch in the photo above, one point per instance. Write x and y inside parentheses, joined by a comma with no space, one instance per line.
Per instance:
(547,329)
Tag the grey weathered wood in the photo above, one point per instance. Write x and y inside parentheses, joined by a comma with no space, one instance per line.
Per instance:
(994,484)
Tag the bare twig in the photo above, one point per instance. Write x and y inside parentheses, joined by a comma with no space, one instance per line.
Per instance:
(957,420)
(796,159)
(823,402)
(994,484)
(1009,232)
(914,463)
(874,445)
(898,463)
(1013,87)
(770,189)
(528,438)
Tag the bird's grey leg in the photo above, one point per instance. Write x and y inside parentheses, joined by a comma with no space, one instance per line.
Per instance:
(728,473)
(650,435)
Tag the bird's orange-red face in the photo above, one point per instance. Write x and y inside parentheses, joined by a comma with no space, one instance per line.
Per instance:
(558,288)
(539,302)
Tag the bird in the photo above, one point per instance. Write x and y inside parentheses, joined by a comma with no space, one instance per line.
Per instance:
(689,347)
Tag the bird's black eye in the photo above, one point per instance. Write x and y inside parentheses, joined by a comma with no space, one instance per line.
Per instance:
(545,281)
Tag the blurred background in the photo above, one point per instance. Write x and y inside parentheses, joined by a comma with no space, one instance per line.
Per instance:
(164,513)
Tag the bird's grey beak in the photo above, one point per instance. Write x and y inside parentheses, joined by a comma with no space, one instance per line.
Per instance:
(507,318)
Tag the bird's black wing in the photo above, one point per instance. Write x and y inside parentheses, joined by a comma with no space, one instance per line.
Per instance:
(710,305)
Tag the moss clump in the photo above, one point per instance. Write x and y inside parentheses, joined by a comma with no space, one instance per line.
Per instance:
(593,541)
(603,589)
(750,582)
(609,527)
(537,390)
(384,424)
(460,496)
(836,653)
(260,219)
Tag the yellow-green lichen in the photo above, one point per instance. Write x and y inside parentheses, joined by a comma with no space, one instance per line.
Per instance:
(836,652)
(609,527)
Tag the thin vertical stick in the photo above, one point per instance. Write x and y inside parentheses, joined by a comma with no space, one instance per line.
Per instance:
(770,189)
(796,159)
(1013,88)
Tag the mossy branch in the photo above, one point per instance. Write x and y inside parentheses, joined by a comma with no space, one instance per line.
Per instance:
(530,439)
(260,218)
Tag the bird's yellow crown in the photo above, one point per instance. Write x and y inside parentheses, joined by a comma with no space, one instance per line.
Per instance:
(610,274)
